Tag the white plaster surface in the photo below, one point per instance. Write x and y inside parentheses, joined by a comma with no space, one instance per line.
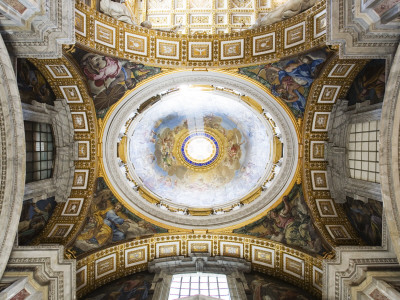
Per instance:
(12,160)
(389,153)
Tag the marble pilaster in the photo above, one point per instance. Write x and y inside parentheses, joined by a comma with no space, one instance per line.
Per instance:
(12,159)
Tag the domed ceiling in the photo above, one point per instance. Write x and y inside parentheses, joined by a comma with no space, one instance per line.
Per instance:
(235,151)
(198,147)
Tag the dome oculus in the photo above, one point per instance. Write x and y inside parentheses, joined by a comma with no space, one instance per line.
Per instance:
(200,149)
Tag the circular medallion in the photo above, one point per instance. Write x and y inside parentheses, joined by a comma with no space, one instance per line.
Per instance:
(200,149)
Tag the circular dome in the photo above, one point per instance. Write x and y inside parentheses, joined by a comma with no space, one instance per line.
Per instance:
(199,150)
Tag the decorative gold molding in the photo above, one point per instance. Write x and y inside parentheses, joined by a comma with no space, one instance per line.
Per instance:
(63,72)
(200,211)
(99,33)
(329,77)
(278,150)
(122,149)
(266,256)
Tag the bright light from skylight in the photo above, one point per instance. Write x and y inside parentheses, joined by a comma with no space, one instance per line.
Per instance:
(207,284)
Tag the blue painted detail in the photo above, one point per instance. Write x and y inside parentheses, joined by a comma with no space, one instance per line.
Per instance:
(211,160)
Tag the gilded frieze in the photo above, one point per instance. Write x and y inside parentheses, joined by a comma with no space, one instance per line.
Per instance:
(333,84)
(101,34)
(266,256)
(65,82)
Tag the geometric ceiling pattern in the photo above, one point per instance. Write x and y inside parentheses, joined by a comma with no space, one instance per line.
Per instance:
(204,16)
(104,34)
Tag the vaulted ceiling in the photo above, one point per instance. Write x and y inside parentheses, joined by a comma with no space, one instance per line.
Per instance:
(286,219)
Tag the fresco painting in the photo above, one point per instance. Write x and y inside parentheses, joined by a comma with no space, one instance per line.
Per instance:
(242,150)
(369,84)
(289,223)
(133,287)
(290,79)
(109,78)
(32,85)
(34,217)
(108,221)
(366,218)
(264,287)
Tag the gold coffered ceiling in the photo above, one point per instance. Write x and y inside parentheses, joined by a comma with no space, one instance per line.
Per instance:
(204,16)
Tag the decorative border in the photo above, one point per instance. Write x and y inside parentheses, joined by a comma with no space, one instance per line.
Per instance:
(232,49)
(70,76)
(80,23)
(109,261)
(71,93)
(139,39)
(328,94)
(183,58)
(164,47)
(327,210)
(73,207)
(319,18)
(315,193)
(137,259)
(206,244)
(79,182)
(167,249)
(231,249)
(80,123)
(59,71)
(60,230)
(83,150)
(299,37)
(216,242)
(204,46)
(264,48)
(341,70)
(102,32)
(256,260)
(287,258)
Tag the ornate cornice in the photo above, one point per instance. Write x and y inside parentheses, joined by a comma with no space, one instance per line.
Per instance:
(389,153)
(12,159)
(357,29)
(99,33)
(43,33)
(275,259)
(333,83)
(64,77)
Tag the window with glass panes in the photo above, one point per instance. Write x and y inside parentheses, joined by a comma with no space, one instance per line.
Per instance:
(39,151)
(363,151)
(212,285)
